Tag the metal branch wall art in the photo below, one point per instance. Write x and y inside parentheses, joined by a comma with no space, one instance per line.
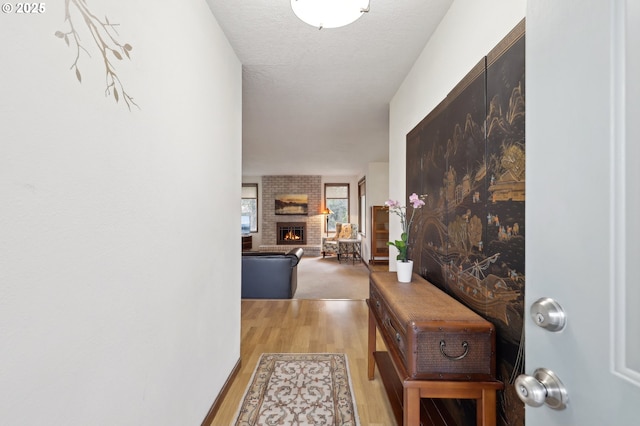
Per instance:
(105,37)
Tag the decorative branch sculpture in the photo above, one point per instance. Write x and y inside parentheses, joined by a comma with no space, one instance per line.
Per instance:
(104,35)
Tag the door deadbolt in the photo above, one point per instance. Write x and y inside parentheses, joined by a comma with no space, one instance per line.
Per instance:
(544,387)
(548,314)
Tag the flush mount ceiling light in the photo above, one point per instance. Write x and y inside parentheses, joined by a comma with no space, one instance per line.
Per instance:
(329,13)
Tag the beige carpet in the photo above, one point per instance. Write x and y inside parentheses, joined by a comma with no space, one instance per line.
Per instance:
(299,389)
(320,278)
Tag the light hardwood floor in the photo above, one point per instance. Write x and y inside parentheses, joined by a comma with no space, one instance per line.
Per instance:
(336,326)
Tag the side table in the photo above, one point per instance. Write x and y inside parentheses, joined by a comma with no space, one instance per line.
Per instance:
(247,242)
(349,247)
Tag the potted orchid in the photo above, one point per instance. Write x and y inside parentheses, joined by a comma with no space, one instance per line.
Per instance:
(402,245)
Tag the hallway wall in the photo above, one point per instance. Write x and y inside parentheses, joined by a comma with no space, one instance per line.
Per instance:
(114,283)
(467,33)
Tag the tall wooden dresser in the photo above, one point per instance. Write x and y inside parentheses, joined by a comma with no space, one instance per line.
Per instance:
(379,234)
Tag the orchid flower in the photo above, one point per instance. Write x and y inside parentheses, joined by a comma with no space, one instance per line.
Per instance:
(395,207)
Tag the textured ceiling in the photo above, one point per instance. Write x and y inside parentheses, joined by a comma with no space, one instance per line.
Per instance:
(316,102)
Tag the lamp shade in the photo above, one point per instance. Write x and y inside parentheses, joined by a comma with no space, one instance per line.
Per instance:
(329,13)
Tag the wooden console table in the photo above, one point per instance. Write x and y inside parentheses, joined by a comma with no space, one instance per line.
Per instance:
(403,391)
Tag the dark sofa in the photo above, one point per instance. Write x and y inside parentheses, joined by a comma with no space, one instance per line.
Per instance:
(270,275)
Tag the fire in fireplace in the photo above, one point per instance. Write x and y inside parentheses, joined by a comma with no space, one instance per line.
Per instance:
(291,233)
(292,236)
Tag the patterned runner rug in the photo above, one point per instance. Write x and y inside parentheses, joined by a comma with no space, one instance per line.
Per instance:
(299,389)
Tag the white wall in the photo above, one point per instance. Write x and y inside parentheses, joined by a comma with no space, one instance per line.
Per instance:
(377,193)
(468,32)
(119,266)
(377,183)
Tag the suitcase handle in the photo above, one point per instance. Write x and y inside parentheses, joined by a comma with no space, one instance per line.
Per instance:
(465,345)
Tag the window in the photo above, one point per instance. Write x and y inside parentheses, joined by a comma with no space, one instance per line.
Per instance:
(336,198)
(362,206)
(249,207)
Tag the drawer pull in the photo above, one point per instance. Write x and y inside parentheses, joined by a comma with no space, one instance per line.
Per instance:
(398,336)
(378,304)
(465,345)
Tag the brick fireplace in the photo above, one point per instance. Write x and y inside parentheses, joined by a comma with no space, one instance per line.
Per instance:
(313,221)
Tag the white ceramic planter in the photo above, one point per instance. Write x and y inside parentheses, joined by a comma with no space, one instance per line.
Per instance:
(404,271)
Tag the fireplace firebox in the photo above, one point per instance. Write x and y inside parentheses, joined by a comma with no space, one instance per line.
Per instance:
(291,233)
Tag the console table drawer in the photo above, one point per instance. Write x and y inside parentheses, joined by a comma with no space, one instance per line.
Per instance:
(389,324)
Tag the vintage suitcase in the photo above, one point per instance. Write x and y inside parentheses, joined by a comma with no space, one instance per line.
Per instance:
(434,335)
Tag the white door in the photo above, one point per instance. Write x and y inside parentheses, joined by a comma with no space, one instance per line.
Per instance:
(583,205)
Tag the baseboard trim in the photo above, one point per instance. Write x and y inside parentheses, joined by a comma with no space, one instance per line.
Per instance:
(208,420)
